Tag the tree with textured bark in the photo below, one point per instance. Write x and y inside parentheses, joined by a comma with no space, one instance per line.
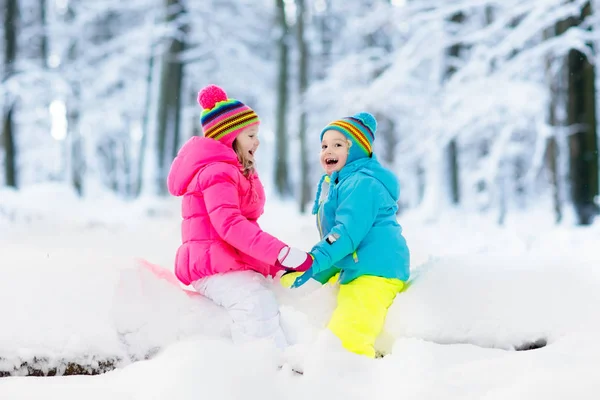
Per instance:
(583,141)
(303,58)
(8,127)
(75,159)
(169,106)
(453,54)
(144,184)
(323,21)
(282,183)
(43,37)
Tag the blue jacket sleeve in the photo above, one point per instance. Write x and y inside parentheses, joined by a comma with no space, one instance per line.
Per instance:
(354,217)
(324,276)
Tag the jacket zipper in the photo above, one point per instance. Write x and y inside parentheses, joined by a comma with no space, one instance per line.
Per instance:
(319,220)
(327,179)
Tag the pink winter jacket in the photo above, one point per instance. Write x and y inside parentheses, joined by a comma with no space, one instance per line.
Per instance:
(220,207)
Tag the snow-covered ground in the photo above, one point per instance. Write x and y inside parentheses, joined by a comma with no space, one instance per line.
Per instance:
(71,289)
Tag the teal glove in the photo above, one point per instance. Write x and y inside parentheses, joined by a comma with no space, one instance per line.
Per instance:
(302,279)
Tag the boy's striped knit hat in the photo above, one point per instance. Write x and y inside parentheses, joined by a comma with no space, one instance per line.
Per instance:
(360,129)
(223,118)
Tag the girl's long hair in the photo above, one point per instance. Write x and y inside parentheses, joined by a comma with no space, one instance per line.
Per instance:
(247,164)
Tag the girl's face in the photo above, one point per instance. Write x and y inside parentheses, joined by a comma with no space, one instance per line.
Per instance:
(247,143)
(334,151)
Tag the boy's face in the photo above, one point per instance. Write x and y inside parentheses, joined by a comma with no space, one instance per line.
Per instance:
(248,142)
(334,151)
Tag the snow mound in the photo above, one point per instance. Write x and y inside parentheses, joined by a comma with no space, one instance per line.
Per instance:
(496,300)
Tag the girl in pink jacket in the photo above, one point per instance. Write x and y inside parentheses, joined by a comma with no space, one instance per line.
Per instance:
(224,254)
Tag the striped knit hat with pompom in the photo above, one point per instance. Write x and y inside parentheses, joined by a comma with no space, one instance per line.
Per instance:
(223,118)
(360,129)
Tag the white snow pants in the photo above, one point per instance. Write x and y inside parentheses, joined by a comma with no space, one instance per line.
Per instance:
(250,303)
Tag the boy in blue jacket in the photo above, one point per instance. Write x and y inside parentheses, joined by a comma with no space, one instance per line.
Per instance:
(361,239)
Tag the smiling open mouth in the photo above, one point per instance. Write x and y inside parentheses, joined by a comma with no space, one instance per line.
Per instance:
(331,161)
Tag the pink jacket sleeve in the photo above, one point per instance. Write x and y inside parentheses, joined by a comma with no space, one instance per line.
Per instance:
(220,190)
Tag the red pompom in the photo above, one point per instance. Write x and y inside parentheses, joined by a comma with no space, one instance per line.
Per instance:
(211,95)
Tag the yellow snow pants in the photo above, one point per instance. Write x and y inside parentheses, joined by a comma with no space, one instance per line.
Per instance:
(362,307)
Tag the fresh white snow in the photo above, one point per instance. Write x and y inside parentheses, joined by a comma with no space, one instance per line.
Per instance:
(71,288)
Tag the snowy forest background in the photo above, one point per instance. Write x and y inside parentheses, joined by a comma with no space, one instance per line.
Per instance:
(486,106)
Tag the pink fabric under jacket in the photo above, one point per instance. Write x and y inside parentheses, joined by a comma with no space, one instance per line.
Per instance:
(220,207)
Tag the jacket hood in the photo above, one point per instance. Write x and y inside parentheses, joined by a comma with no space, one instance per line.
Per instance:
(372,167)
(195,154)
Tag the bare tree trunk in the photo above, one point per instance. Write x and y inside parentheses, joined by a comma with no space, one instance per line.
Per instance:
(556,85)
(387,130)
(44,34)
(305,192)
(170,98)
(452,149)
(145,125)
(326,39)
(176,95)
(583,143)
(551,158)
(452,154)
(74,151)
(10,177)
(8,128)
(76,148)
(282,183)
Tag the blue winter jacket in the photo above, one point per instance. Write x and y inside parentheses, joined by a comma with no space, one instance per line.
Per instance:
(356,216)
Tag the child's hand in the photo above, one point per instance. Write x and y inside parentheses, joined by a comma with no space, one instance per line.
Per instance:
(302,279)
(291,258)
